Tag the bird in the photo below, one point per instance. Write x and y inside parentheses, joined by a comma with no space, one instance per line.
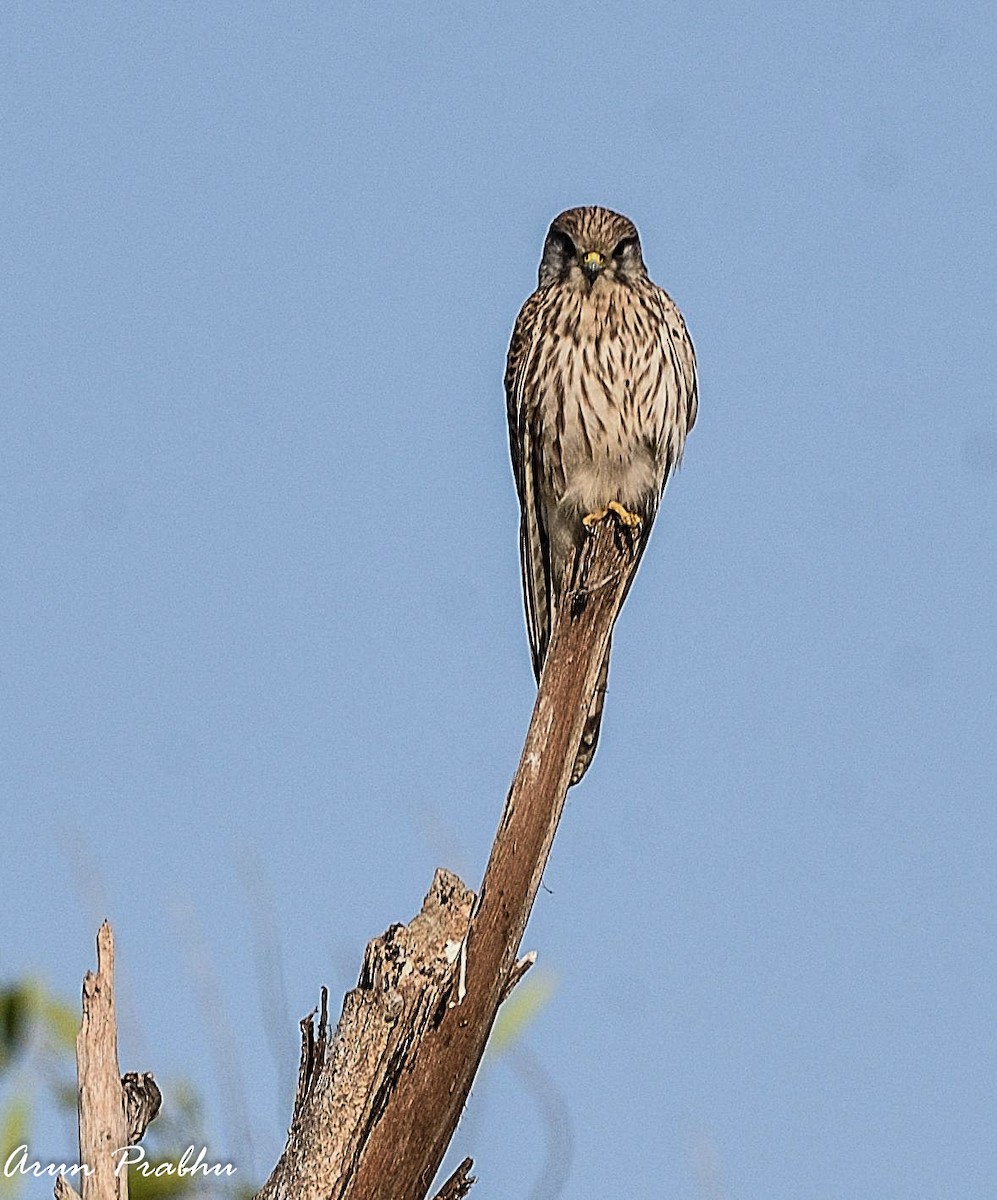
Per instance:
(601,391)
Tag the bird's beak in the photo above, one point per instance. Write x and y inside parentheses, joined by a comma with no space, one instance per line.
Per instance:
(593,263)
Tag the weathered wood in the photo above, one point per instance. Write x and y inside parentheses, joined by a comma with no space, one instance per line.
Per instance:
(430,1094)
(103,1128)
(65,1190)
(374,1120)
(407,980)
(459,1183)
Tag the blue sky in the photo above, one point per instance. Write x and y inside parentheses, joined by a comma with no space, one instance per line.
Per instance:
(262,657)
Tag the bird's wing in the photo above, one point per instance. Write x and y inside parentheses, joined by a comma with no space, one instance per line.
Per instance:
(534,549)
(679,348)
(685,353)
(667,439)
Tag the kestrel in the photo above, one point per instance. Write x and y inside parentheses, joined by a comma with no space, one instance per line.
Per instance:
(601,391)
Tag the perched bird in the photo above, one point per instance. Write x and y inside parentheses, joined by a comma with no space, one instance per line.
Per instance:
(600,388)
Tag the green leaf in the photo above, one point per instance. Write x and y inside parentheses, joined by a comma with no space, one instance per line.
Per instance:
(16,1011)
(27,1005)
(155,1187)
(14,1122)
(527,999)
(61,1021)
(65,1095)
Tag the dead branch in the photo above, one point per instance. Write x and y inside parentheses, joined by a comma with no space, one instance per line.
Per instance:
(102,1113)
(459,1183)
(405,986)
(113,1112)
(377,1105)
(375,1112)
(65,1190)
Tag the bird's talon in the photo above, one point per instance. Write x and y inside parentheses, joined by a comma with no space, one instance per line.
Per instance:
(624,516)
(631,520)
(593,518)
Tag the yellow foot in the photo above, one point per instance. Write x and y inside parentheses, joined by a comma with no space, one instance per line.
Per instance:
(629,519)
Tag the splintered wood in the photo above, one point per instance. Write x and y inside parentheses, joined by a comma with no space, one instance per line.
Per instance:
(375,1114)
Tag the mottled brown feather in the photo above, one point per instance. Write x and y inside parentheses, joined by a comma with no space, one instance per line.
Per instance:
(601,392)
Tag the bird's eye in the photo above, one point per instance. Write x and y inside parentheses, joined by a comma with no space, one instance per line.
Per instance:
(623,246)
(563,244)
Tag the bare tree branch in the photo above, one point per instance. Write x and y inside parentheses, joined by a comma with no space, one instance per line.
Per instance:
(103,1129)
(374,1119)
(65,1190)
(459,1183)
(377,1106)
(406,986)
(114,1112)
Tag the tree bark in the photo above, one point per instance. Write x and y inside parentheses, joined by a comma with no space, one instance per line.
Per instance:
(103,1128)
(114,1112)
(375,1115)
(377,1106)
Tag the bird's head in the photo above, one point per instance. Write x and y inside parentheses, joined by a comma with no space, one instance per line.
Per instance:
(585,245)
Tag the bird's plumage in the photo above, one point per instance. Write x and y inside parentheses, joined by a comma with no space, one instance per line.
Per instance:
(600,392)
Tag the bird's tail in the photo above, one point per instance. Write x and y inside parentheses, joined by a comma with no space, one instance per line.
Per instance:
(590,734)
